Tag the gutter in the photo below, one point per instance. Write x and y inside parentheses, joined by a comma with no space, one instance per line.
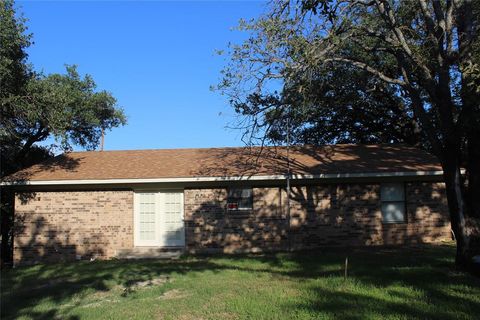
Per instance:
(405,174)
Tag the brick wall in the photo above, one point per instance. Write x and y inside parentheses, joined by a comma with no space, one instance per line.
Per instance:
(325,215)
(53,226)
(210,227)
(347,214)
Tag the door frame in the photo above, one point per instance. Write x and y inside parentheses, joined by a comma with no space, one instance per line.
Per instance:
(158,242)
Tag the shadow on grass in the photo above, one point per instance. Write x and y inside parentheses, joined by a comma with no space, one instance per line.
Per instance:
(26,287)
(426,269)
(447,293)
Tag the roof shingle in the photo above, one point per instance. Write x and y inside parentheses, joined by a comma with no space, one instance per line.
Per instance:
(228,162)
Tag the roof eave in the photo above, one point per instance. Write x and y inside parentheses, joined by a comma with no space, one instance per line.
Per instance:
(325,176)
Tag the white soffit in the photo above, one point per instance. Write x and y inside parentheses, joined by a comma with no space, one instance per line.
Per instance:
(227,178)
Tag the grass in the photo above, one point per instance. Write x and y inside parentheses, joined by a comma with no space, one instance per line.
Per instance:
(418,283)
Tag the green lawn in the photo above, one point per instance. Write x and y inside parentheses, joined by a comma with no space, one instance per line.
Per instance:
(416,283)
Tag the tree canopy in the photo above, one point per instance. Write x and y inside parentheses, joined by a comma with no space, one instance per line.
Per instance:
(35,106)
(337,65)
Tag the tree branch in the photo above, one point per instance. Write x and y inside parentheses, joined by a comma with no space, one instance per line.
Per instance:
(448,28)
(40,135)
(420,114)
(367,68)
(389,17)
(428,17)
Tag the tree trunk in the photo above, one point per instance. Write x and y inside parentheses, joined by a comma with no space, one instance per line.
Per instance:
(456,206)
(472,194)
(473,171)
(6,212)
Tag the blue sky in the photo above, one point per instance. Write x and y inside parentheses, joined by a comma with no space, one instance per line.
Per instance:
(157,58)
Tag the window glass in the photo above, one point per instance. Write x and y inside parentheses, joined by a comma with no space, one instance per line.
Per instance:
(392,196)
(240,199)
(147,214)
(392,192)
(393,211)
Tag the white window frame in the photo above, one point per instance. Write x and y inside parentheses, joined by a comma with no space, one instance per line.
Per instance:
(399,201)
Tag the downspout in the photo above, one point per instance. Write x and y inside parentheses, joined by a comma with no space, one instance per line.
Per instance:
(288,186)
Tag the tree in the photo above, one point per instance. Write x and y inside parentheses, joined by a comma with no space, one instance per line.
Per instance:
(338,106)
(65,107)
(420,55)
(34,107)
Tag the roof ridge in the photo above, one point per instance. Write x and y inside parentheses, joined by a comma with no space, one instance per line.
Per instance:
(245,147)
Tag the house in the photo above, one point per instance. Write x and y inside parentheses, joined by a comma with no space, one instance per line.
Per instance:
(106,204)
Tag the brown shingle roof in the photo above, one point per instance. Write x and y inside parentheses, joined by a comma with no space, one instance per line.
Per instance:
(219,162)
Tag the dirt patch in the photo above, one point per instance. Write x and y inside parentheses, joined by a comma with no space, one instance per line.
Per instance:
(99,303)
(189,317)
(151,282)
(133,285)
(173,294)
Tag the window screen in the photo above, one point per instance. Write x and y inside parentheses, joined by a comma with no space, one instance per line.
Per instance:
(392,196)
(240,199)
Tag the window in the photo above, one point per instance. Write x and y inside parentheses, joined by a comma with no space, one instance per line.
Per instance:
(392,196)
(240,199)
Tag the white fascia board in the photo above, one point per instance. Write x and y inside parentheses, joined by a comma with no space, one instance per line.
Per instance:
(226,178)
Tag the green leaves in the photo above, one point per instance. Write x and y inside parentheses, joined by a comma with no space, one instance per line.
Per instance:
(65,107)
(14,71)
(287,63)
(70,109)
